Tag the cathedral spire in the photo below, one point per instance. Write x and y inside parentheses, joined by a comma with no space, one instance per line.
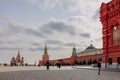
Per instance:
(18,53)
(18,56)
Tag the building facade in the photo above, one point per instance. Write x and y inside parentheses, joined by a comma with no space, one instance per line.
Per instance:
(90,55)
(110,19)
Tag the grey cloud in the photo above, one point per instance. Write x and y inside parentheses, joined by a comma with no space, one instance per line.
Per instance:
(98,39)
(36,49)
(80,21)
(55,48)
(35,32)
(2,41)
(71,44)
(68,5)
(15,28)
(96,15)
(49,4)
(8,48)
(60,27)
(52,42)
(76,18)
(19,29)
(31,49)
(46,30)
(85,35)
(49,48)
(36,44)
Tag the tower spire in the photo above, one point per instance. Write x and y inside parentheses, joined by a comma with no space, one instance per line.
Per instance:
(18,52)
(45,56)
(45,50)
(18,56)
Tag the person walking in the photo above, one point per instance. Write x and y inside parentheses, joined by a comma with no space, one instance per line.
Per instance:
(58,65)
(99,67)
(47,65)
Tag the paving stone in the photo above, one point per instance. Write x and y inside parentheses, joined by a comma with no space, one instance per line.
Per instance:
(65,73)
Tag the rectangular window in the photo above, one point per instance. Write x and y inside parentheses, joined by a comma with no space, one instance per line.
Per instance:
(110,61)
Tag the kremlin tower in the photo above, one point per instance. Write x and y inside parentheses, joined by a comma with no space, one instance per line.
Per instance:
(73,57)
(45,57)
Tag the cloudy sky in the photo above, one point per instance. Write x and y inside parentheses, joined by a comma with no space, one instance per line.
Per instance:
(60,24)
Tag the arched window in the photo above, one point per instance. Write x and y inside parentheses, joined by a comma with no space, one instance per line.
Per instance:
(116,34)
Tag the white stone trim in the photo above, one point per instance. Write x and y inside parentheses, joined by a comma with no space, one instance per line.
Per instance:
(113,65)
(103,65)
(118,66)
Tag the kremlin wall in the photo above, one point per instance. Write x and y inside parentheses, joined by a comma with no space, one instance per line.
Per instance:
(89,56)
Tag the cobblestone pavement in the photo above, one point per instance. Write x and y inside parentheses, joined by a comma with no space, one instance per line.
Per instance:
(65,73)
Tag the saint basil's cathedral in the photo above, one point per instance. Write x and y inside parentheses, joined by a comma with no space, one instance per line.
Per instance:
(17,61)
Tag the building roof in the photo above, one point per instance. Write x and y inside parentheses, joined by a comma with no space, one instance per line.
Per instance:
(90,47)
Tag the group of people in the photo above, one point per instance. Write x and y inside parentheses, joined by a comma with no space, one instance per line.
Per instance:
(48,64)
(59,66)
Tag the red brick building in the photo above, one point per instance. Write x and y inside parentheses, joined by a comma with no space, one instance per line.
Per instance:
(110,19)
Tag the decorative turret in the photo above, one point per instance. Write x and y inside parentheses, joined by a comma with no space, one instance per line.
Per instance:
(73,57)
(22,61)
(74,51)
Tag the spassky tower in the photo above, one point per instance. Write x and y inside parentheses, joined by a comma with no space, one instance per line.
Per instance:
(45,56)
